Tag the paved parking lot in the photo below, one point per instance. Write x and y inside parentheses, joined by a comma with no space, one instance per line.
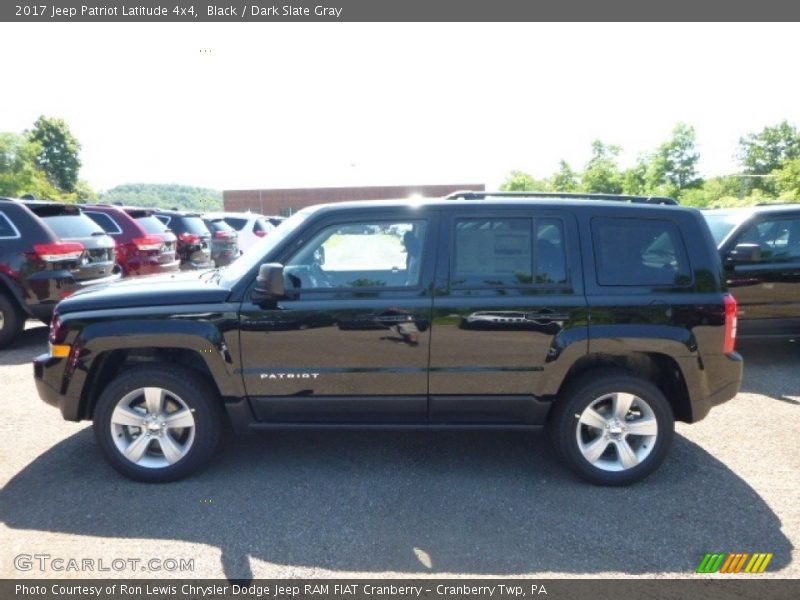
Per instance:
(388,504)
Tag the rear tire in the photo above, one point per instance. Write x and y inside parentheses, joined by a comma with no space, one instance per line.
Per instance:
(11,320)
(157,423)
(612,427)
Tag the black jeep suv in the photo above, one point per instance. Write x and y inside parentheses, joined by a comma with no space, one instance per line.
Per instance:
(604,321)
(48,250)
(760,250)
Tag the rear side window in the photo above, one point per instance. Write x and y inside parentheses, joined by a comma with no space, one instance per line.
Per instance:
(639,252)
(508,252)
(107,223)
(7,229)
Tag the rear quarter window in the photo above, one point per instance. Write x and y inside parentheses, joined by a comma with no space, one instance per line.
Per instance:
(639,252)
(108,224)
(7,229)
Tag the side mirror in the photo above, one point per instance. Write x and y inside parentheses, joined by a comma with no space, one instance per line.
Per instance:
(269,283)
(745,253)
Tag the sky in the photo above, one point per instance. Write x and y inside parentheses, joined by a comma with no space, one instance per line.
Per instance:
(282,105)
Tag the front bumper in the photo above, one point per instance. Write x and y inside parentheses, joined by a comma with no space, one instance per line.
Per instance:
(48,374)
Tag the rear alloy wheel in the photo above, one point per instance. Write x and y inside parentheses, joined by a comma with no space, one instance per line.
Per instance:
(613,429)
(157,424)
(11,320)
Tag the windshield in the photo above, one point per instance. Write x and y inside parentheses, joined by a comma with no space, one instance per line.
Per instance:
(256,253)
(721,223)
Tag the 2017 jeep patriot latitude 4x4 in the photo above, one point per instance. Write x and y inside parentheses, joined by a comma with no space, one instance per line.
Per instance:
(604,321)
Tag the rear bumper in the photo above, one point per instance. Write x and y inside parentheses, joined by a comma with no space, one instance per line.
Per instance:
(727,379)
(152,266)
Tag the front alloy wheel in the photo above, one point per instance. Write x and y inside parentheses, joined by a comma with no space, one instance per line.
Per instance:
(152,427)
(158,423)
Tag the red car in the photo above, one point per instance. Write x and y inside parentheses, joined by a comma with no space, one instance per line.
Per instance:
(144,244)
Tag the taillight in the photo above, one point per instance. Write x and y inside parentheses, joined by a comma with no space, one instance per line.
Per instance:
(59,251)
(260,233)
(148,242)
(224,235)
(731,320)
(189,238)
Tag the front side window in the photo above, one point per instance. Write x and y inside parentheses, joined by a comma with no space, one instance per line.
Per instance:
(508,252)
(639,252)
(379,254)
(777,240)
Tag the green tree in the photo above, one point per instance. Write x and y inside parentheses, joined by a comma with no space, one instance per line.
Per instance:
(19,173)
(602,174)
(58,154)
(565,179)
(519,181)
(762,153)
(634,179)
(673,167)
(165,196)
(788,179)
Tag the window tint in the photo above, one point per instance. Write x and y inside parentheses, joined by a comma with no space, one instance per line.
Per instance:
(778,240)
(262,225)
(6,228)
(235,222)
(502,252)
(639,252)
(151,224)
(215,225)
(107,223)
(76,225)
(360,255)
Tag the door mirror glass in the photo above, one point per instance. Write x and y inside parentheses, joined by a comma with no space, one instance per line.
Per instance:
(269,283)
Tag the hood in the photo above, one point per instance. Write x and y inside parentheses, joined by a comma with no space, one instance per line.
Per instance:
(162,290)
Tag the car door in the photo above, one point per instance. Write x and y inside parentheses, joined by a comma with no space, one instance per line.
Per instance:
(766,283)
(349,342)
(508,288)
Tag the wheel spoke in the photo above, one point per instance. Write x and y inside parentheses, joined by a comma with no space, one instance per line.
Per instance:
(180,418)
(135,451)
(154,398)
(627,457)
(171,449)
(123,415)
(622,404)
(643,427)
(592,418)
(594,449)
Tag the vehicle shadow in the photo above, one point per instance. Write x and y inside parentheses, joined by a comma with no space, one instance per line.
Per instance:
(483,503)
(29,343)
(770,368)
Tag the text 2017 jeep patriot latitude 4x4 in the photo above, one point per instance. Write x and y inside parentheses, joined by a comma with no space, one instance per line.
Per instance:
(604,321)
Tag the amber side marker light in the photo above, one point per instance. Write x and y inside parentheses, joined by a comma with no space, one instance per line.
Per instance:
(59,350)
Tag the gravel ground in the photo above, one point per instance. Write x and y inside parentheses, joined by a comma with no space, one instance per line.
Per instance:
(383,504)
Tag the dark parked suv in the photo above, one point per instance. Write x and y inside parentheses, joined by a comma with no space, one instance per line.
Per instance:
(604,321)
(48,251)
(760,250)
(144,244)
(194,239)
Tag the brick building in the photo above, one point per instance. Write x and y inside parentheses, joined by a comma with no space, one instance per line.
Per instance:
(285,202)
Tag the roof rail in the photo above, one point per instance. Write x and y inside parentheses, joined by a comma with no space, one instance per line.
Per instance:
(473,195)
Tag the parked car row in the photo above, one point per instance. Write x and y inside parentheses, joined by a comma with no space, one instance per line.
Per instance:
(48,250)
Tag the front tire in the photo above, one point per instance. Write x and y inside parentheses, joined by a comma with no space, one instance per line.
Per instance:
(612,428)
(158,424)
